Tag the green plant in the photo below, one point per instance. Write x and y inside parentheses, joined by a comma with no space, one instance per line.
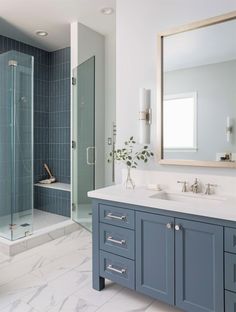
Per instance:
(129,156)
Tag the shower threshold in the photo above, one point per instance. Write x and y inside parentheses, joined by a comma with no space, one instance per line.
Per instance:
(39,237)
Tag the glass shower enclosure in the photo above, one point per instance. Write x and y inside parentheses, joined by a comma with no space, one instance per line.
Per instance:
(83,141)
(16,145)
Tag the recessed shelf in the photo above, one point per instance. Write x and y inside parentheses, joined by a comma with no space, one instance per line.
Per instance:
(56,186)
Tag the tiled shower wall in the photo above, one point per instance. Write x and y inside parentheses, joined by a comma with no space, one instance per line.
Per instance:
(59,114)
(41,99)
(56,201)
(51,200)
(52,117)
(51,109)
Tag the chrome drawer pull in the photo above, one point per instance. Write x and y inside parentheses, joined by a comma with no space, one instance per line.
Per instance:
(110,267)
(112,240)
(111,216)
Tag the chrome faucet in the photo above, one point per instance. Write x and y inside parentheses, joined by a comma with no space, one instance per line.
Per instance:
(209,187)
(195,187)
(184,188)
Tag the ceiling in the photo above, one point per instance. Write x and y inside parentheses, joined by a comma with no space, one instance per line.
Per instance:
(208,45)
(21,18)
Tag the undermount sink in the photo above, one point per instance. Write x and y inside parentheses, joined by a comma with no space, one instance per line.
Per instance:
(189,198)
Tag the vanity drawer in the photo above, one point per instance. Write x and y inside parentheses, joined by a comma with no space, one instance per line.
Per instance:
(117,240)
(116,216)
(230,271)
(230,240)
(117,269)
(230,301)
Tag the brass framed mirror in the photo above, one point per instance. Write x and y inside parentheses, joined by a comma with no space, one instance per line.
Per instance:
(197,94)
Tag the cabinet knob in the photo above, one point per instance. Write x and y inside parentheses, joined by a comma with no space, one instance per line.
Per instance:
(178,227)
(169,226)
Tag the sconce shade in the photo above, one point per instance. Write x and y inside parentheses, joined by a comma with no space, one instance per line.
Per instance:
(229,129)
(144,116)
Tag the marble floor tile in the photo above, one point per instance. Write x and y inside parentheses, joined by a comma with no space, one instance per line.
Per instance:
(18,289)
(79,260)
(75,304)
(98,298)
(19,306)
(57,291)
(19,269)
(128,301)
(57,277)
(157,306)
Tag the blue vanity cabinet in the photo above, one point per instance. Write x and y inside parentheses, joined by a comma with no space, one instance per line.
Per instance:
(183,260)
(230,269)
(155,256)
(230,301)
(199,266)
(113,245)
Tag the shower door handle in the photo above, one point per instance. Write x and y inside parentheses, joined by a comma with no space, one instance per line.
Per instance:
(88,149)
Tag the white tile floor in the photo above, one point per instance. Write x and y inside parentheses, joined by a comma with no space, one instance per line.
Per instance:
(57,277)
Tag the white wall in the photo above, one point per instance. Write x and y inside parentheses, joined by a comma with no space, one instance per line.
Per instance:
(138,23)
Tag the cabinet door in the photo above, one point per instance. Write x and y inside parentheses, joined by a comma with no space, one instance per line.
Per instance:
(155,256)
(199,266)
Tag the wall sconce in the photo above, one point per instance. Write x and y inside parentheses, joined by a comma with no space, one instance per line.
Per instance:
(145,115)
(229,128)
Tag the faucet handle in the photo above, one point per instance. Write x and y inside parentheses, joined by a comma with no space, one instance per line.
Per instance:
(209,186)
(196,186)
(184,188)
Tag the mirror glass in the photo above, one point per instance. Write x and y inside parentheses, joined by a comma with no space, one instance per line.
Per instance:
(199,94)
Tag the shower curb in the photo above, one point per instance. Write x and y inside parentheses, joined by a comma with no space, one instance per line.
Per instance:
(40,237)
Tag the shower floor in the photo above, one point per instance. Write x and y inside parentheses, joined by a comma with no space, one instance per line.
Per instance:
(47,227)
(83,216)
(41,219)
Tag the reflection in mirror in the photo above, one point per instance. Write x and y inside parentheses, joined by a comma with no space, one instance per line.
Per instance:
(199,94)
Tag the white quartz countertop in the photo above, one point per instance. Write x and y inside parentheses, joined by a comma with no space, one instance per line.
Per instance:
(224,209)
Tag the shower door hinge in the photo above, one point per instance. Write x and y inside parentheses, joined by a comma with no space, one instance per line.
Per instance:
(73,207)
(12,63)
(12,227)
(73,81)
(73,144)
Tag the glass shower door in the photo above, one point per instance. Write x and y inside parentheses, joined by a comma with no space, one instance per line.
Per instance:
(16,153)
(5,150)
(83,136)
(22,215)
